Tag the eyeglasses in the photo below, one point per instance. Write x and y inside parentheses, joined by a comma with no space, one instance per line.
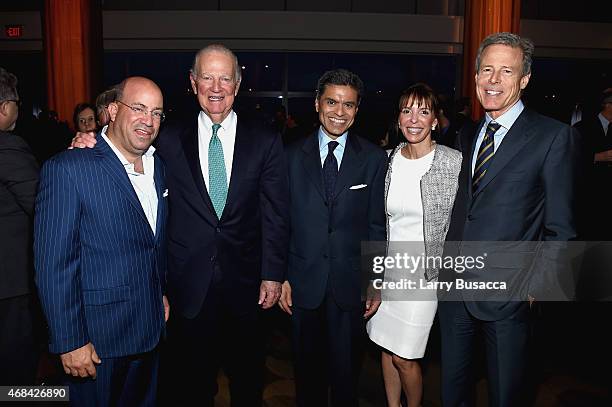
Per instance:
(17,102)
(158,115)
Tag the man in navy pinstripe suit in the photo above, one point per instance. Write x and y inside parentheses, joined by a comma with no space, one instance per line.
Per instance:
(100,266)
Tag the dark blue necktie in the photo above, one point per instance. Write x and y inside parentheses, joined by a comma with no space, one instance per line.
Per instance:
(330,170)
(485,154)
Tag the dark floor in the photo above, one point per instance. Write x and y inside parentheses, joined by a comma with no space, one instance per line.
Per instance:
(570,363)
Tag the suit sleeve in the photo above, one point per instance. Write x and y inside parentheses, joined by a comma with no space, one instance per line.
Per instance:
(274,201)
(19,174)
(57,258)
(560,172)
(376,211)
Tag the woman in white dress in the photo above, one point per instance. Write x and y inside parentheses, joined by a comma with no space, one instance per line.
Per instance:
(420,190)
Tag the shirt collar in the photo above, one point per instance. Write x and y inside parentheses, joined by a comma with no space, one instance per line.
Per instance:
(226,124)
(324,139)
(507,119)
(124,161)
(603,120)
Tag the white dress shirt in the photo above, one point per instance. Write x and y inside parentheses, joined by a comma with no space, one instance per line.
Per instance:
(506,121)
(143,184)
(227,135)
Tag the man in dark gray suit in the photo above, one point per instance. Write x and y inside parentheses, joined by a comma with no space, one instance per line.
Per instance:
(336,182)
(517,184)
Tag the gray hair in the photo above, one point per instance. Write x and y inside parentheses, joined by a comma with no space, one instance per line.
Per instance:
(223,50)
(8,85)
(511,40)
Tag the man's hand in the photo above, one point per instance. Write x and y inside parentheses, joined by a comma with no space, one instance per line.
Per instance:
(83,140)
(81,362)
(604,156)
(166,308)
(372,302)
(269,292)
(285,299)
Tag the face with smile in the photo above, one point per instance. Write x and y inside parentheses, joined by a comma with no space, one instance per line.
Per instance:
(500,79)
(133,132)
(416,120)
(215,84)
(337,107)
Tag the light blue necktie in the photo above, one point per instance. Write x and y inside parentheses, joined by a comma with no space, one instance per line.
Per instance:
(217,177)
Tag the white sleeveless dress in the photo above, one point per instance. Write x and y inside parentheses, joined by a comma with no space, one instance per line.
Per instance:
(402,323)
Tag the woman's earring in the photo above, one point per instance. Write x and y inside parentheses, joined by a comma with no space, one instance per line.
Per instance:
(433,127)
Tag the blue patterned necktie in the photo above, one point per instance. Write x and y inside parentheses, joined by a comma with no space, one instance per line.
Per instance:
(217,177)
(485,154)
(330,170)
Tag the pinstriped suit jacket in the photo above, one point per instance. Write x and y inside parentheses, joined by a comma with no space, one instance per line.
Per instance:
(99,267)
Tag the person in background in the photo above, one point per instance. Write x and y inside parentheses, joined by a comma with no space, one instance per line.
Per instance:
(18,183)
(102,101)
(420,188)
(84,117)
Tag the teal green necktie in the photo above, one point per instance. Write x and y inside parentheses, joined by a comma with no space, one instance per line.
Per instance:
(217,177)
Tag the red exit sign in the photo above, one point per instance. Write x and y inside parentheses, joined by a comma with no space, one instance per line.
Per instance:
(13,31)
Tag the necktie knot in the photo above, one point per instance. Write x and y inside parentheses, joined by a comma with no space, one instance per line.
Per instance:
(493,127)
(215,129)
(331,146)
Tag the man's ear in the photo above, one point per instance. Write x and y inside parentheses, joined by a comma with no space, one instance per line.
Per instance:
(237,87)
(525,81)
(113,108)
(317,104)
(194,85)
(3,108)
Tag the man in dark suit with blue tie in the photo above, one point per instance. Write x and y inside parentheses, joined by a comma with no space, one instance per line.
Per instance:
(517,184)
(336,184)
(100,254)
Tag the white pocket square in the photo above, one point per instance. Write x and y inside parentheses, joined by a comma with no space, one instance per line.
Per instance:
(358,186)
(165,194)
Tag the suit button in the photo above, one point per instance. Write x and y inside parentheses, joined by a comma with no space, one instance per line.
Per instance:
(218,230)
(213,258)
(330,231)
(325,256)
(470,217)
(325,203)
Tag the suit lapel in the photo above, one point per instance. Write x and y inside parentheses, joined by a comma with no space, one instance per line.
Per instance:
(351,159)
(242,148)
(160,188)
(111,164)
(189,138)
(513,142)
(312,163)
